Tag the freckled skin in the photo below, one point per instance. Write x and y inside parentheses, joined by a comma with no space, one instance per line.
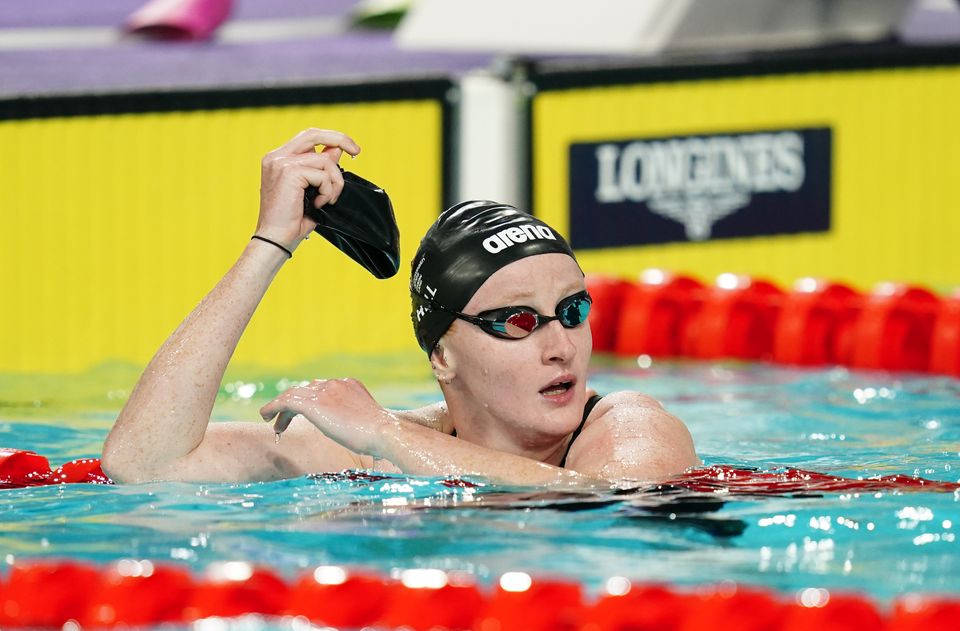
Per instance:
(507,429)
(629,436)
(494,394)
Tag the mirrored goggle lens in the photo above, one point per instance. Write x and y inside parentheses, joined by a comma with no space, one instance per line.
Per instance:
(573,311)
(520,324)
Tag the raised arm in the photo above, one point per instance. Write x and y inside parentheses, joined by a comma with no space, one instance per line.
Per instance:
(162,431)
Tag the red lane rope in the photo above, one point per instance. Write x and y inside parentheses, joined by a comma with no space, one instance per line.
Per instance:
(137,593)
(20,468)
(896,327)
(738,481)
(128,593)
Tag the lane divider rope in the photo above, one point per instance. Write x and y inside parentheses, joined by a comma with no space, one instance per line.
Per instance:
(46,594)
(896,327)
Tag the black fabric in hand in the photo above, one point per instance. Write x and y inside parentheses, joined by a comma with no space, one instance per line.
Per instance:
(361,224)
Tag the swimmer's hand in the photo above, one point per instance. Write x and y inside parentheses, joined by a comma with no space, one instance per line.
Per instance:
(342,409)
(287,171)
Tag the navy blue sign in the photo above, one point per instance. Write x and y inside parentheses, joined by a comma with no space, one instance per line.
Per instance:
(694,188)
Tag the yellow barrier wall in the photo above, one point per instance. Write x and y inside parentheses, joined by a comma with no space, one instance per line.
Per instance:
(895,192)
(115,226)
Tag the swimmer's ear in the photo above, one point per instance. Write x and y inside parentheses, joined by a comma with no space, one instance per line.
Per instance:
(443,368)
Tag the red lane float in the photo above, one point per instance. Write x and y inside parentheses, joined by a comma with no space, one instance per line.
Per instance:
(131,593)
(332,596)
(81,470)
(20,468)
(816,323)
(894,328)
(642,607)
(743,609)
(831,612)
(137,593)
(657,313)
(919,613)
(46,594)
(945,347)
(427,599)
(737,320)
(607,294)
(233,589)
(522,604)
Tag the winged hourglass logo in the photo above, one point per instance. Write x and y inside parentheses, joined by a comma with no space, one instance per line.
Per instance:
(698,213)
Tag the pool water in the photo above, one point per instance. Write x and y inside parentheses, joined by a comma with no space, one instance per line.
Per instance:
(835,421)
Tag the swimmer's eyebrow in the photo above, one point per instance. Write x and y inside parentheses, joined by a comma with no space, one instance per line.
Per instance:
(519,297)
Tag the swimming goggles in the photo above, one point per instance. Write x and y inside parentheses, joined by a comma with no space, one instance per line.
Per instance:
(514,323)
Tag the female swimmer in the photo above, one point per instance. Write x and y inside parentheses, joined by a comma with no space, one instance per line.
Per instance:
(500,307)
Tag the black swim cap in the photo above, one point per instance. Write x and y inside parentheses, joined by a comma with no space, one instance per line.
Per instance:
(462,249)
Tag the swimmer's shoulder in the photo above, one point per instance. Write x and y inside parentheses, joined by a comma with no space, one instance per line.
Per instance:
(620,405)
(623,399)
(630,434)
(434,416)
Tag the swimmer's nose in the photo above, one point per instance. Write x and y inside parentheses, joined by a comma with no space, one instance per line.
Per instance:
(558,348)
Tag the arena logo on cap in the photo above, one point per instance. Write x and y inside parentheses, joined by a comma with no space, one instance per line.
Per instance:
(694,188)
(508,237)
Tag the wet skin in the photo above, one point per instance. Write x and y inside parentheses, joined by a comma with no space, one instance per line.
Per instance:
(498,391)
(513,402)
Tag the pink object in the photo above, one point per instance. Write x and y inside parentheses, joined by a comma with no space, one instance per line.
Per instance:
(179,19)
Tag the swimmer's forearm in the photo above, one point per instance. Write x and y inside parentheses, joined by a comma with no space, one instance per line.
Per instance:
(167,413)
(433,416)
(418,450)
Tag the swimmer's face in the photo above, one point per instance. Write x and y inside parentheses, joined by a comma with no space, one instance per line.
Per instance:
(529,388)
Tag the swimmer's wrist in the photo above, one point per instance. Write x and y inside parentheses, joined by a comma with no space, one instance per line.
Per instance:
(387,440)
(286,249)
(269,252)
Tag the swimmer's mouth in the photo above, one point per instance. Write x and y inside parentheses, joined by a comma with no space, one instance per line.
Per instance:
(561,386)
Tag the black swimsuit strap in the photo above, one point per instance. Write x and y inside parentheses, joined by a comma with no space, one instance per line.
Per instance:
(591,403)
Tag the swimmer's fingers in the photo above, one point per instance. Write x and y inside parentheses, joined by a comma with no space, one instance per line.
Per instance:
(336,176)
(311,176)
(334,153)
(308,139)
(283,421)
(276,409)
(322,180)
(328,179)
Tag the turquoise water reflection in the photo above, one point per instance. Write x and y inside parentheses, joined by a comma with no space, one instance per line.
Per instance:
(835,421)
